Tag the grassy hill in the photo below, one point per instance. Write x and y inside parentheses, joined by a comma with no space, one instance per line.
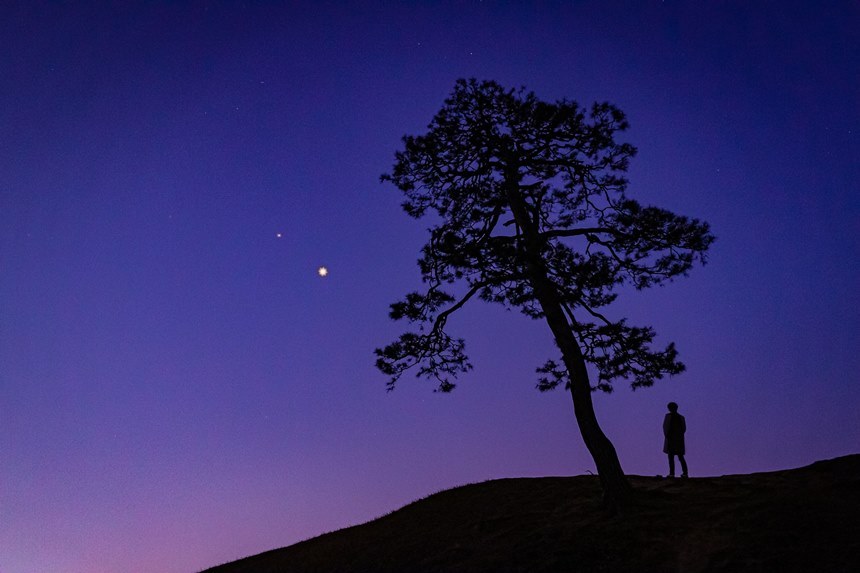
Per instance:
(805,519)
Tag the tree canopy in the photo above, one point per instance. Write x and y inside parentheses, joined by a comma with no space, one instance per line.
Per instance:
(529,207)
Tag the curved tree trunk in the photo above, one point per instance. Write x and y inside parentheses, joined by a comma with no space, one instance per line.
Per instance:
(616,488)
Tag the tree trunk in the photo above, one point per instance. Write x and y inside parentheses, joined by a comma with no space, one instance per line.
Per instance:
(616,488)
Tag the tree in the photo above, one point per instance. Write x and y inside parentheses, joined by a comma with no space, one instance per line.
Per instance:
(531,213)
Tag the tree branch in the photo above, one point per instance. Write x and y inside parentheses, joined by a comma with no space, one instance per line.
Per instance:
(442,317)
(577,232)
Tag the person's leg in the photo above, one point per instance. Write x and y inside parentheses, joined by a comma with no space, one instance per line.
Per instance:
(671,465)
(683,466)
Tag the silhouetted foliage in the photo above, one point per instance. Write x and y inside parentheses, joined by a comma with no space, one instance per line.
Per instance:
(566,166)
(530,211)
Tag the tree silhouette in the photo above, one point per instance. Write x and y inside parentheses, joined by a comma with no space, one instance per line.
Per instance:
(531,213)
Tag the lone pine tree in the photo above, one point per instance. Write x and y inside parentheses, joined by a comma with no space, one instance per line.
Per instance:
(531,213)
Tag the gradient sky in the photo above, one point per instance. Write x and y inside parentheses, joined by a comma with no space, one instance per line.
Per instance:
(178,386)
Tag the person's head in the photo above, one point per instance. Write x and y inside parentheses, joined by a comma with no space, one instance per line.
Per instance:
(673,407)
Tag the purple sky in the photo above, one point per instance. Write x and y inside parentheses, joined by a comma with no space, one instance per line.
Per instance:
(178,386)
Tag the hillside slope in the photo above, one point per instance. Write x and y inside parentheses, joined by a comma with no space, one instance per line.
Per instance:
(806,519)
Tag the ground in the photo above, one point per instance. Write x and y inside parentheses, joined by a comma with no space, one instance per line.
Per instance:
(804,519)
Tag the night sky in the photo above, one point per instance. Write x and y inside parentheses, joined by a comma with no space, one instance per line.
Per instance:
(179,387)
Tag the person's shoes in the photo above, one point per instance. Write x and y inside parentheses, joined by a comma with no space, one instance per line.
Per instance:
(684,476)
(670,476)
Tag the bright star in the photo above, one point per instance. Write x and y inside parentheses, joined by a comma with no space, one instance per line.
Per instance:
(322,271)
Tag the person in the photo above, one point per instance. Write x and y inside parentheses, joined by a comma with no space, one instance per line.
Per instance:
(674,427)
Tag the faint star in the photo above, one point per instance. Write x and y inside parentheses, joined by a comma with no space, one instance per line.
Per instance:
(322,271)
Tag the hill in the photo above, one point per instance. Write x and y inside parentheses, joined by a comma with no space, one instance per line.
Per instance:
(805,519)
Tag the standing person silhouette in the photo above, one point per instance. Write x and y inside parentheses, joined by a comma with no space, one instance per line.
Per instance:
(674,427)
